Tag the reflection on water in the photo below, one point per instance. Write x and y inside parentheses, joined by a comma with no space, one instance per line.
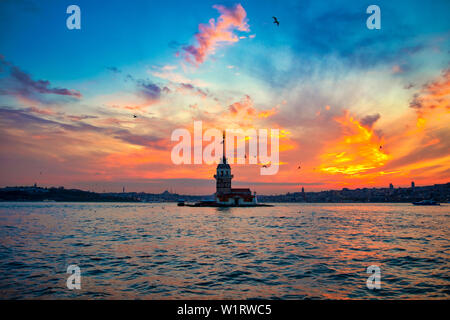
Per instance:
(161,251)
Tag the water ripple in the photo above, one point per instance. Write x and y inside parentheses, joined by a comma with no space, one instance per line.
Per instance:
(161,251)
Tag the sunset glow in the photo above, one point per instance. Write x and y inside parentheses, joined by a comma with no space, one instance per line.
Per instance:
(351,113)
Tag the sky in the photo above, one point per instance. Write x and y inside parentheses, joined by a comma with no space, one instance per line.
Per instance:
(95,108)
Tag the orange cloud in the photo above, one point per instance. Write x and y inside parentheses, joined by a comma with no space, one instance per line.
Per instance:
(245,103)
(222,31)
(420,143)
(358,150)
(245,109)
(267,113)
(433,98)
(423,149)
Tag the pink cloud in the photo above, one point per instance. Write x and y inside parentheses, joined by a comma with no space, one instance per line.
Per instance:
(397,69)
(20,84)
(222,31)
(245,103)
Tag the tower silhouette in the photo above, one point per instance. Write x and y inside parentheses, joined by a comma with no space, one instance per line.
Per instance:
(223,174)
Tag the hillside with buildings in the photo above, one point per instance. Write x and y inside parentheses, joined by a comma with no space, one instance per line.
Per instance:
(437,192)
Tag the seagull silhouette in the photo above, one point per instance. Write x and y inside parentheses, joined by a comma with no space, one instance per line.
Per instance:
(134,116)
(265,165)
(275,20)
(299,167)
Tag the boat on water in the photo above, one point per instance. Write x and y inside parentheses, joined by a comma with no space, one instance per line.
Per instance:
(426,203)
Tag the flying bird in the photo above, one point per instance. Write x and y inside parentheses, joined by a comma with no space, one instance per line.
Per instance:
(265,165)
(134,116)
(275,20)
(299,167)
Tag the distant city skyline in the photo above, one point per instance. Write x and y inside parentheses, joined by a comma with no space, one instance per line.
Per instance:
(439,193)
(173,190)
(94,108)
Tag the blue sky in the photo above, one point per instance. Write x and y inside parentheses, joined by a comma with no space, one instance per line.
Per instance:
(124,33)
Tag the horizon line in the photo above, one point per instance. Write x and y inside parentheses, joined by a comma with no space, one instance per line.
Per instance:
(199,195)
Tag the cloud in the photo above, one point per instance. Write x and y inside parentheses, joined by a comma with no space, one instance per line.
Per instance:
(130,107)
(429,139)
(356,150)
(244,108)
(397,69)
(45,112)
(80,118)
(191,88)
(168,73)
(142,140)
(259,183)
(30,118)
(421,154)
(20,84)
(114,69)
(361,152)
(222,31)
(369,121)
(245,103)
(433,95)
(150,92)
(10,117)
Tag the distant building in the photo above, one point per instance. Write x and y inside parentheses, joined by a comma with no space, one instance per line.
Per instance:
(224,193)
(391,186)
(412,184)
